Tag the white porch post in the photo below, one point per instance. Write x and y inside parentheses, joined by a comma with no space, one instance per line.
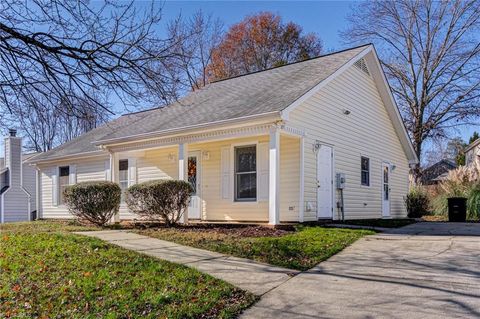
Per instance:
(301,204)
(182,171)
(116,217)
(274,177)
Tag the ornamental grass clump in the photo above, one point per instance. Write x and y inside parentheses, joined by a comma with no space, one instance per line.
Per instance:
(95,202)
(461,182)
(417,203)
(160,200)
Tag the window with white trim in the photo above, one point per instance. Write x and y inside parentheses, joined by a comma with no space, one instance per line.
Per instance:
(63,182)
(123,177)
(246,173)
(365,171)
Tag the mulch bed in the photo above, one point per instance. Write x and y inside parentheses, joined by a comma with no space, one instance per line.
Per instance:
(233,230)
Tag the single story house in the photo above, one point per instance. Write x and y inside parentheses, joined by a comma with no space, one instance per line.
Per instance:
(437,172)
(262,147)
(17,182)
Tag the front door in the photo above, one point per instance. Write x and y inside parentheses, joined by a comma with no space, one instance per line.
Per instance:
(386,190)
(324,182)
(194,180)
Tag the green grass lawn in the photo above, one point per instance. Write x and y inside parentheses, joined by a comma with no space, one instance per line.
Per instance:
(300,249)
(46,272)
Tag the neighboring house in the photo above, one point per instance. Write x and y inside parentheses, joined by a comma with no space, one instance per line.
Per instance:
(435,173)
(472,153)
(17,182)
(262,147)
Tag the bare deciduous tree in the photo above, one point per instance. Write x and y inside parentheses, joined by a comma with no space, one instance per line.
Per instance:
(44,127)
(430,51)
(65,50)
(195,40)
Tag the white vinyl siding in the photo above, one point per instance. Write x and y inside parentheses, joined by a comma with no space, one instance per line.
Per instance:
(366,130)
(289,178)
(262,169)
(92,169)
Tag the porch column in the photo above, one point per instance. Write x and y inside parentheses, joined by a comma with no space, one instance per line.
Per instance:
(116,217)
(274,177)
(182,171)
(301,204)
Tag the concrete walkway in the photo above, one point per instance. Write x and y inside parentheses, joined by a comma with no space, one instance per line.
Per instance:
(252,276)
(424,270)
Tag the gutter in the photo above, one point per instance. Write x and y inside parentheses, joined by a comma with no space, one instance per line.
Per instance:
(66,157)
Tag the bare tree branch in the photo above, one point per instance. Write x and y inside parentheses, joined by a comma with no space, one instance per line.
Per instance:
(430,52)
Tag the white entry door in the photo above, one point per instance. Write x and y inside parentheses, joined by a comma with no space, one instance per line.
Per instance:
(325,182)
(385,190)
(194,180)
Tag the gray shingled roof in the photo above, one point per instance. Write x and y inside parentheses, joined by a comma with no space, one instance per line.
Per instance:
(253,94)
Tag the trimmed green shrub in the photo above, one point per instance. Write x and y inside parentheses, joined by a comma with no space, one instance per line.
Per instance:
(159,200)
(417,203)
(95,202)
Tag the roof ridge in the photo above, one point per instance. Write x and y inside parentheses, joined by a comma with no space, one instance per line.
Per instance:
(291,63)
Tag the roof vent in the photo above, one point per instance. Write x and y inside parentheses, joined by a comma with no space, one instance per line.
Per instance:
(12,132)
(362,66)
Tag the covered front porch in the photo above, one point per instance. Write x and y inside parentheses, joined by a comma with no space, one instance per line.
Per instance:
(243,174)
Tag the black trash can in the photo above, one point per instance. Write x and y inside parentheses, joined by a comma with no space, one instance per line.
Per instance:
(457,209)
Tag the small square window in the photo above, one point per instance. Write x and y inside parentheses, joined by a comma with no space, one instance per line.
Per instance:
(365,171)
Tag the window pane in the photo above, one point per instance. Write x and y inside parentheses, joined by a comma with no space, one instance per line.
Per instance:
(192,173)
(246,159)
(246,186)
(123,165)
(60,195)
(64,180)
(365,179)
(64,171)
(123,175)
(365,164)
(123,187)
(365,171)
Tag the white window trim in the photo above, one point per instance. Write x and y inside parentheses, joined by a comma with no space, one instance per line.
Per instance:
(232,171)
(123,204)
(369,171)
(59,204)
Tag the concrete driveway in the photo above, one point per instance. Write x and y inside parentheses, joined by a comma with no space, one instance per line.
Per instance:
(425,270)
